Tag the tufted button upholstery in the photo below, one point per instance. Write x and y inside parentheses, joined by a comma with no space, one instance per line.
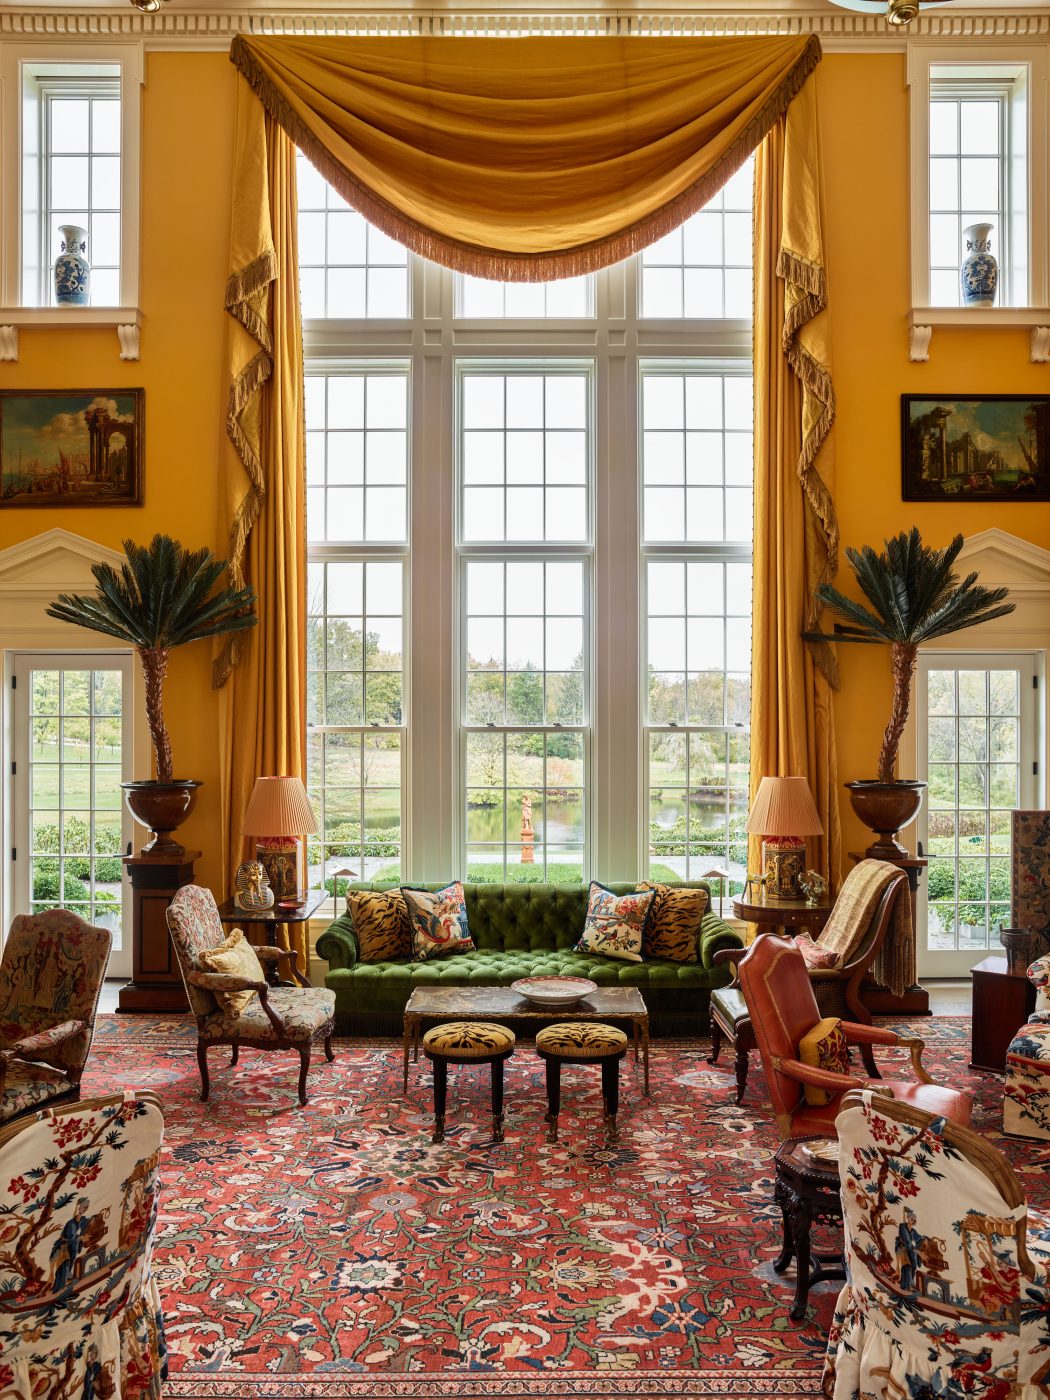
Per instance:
(578,1040)
(468,1040)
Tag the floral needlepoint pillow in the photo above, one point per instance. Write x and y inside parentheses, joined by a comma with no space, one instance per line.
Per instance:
(824,1047)
(438,921)
(615,924)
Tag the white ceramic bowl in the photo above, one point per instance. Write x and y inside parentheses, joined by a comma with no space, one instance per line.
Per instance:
(554,991)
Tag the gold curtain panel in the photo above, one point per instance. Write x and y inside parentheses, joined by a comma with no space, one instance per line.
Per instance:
(526,159)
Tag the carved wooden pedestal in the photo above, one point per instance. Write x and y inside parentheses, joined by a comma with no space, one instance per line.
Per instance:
(156,983)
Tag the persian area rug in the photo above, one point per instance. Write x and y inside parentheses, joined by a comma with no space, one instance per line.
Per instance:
(333,1252)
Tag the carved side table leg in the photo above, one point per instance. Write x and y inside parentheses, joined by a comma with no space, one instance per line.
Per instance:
(645,1053)
(787,1248)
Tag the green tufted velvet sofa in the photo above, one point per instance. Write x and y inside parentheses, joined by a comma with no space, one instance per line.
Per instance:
(520,931)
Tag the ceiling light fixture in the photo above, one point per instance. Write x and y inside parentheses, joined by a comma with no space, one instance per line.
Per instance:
(895,12)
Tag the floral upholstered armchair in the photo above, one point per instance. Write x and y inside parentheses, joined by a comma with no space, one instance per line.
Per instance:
(50,978)
(80,1314)
(1026,1088)
(949,1272)
(273,1018)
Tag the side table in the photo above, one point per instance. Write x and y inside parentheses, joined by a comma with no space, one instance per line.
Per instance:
(1002,1003)
(270,919)
(772,914)
(807,1191)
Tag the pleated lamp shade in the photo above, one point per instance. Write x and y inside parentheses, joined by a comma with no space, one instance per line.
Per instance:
(279,807)
(784,807)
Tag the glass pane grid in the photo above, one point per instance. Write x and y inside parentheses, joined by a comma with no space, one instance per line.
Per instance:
(355,643)
(697,457)
(698,648)
(347,268)
(83,183)
(568,298)
(698,787)
(966,185)
(357,457)
(703,268)
(974,774)
(354,780)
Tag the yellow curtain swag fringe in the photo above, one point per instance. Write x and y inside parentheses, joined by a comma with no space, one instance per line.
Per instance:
(526,159)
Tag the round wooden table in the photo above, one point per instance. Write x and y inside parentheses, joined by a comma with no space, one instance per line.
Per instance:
(770,915)
(807,1192)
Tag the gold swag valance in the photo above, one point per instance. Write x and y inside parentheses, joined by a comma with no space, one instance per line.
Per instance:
(526,159)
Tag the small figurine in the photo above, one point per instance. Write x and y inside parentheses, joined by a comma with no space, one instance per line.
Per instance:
(253,887)
(813,886)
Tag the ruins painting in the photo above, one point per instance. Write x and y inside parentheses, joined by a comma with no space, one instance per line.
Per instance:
(71,448)
(995,447)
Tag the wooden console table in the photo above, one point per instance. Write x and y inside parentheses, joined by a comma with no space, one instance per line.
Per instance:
(1002,1003)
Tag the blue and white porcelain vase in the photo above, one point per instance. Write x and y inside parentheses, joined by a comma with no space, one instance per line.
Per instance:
(979,274)
(72,269)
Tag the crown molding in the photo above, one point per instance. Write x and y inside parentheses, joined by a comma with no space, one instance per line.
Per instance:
(838,30)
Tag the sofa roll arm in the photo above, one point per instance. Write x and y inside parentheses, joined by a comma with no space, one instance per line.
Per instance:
(338,944)
(716,936)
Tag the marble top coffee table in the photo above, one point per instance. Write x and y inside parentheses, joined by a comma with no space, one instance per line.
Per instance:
(436,1004)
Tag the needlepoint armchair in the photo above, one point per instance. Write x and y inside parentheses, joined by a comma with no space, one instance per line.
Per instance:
(783,1009)
(50,978)
(276,1018)
(949,1272)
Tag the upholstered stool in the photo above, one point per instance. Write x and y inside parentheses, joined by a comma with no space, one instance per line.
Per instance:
(582,1043)
(731,1021)
(468,1043)
(1026,1101)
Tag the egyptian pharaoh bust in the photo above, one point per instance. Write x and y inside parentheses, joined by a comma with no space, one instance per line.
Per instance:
(253,887)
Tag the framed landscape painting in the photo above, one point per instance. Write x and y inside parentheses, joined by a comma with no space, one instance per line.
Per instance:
(985,447)
(71,447)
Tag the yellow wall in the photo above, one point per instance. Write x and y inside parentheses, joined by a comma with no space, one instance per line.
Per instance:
(188,106)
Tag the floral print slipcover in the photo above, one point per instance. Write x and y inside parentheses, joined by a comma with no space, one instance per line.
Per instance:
(1026,1090)
(80,1315)
(949,1293)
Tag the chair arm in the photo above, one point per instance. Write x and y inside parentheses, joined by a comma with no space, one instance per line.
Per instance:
(726,955)
(223,982)
(819,1078)
(338,944)
(31,1045)
(716,936)
(267,954)
(875,1035)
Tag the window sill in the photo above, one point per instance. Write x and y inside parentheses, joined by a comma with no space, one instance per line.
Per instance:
(923,319)
(125,319)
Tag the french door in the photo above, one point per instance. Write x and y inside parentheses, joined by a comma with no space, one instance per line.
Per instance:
(72,748)
(976,748)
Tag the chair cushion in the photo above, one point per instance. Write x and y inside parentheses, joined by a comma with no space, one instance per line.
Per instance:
(615,924)
(673,927)
(234,957)
(813,955)
(438,921)
(581,1040)
(931,1098)
(381,924)
(731,1005)
(824,1047)
(28,1086)
(304,1010)
(468,1040)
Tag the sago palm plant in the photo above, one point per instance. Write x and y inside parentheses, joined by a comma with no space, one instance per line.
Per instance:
(915,596)
(160,599)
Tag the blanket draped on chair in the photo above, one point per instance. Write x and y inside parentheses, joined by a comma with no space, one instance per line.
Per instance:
(851,918)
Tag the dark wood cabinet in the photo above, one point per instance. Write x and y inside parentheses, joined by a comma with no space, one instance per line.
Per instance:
(156,983)
(1002,1003)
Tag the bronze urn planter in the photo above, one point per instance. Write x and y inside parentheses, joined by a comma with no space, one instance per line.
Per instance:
(163,807)
(886,807)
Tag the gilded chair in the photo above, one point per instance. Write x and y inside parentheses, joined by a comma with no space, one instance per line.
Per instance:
(50,977)
(779,997)
(848,946)
(949,1272)
(80,1314)
(275,1018)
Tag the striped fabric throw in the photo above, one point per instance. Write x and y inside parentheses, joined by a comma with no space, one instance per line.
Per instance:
(851,918)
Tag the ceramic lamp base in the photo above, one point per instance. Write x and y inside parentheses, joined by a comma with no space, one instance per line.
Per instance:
(783,861)
(282,857)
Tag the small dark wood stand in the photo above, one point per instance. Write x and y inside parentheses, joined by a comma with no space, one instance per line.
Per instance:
(156,983)
(806,1192)
(771,915)
(879,1000)
(1002,1003)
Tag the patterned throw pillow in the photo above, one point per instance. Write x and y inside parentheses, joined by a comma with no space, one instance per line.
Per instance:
(813,955)
(674,923)
(824,1047)
(234,957)
(381,924)
(615,924)
(438,921)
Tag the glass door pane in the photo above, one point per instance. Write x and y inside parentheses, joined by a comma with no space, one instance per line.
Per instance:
(976,752)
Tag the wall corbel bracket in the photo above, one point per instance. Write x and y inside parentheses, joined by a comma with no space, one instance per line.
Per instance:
(919,343)
(8,342)
(1040,352)
(129,342)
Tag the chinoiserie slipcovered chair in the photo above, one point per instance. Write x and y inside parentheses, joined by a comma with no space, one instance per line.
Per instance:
(949,1289)
(779,996)
(1026,1089)
(80,1315)
(50,977)
(276,1018)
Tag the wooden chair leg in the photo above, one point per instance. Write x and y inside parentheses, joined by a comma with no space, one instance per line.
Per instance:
(328,1051)
(234,1055)
(202,1065)
(304,1066)
(716,1042)
(741,1071)
(867,1054)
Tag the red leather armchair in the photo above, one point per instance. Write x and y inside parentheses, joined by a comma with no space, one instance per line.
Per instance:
(779,996)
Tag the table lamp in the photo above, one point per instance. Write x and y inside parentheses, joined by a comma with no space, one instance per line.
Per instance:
(782,813)
(279,816)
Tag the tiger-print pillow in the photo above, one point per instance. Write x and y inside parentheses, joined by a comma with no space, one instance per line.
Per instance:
(674,925)
(381,924)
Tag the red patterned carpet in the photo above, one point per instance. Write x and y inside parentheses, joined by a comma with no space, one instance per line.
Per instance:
(333,1252)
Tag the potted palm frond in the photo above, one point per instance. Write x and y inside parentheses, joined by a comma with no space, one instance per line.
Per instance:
(163,597)
(915,597)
